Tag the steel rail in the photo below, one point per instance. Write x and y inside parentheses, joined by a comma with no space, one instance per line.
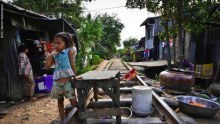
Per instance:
(108,66)
(165,111)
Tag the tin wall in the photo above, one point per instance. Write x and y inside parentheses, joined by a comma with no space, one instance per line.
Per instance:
(10,82)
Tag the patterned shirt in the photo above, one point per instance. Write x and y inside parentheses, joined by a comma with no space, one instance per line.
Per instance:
(25,67)
(63,68)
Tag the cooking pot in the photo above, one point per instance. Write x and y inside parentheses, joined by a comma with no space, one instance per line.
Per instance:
(210,109)
(176,80)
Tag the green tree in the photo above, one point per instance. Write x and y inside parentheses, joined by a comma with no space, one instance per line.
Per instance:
(90,33)
(112,28)
(100,50)
(198,13)
(128,43)
(67,9)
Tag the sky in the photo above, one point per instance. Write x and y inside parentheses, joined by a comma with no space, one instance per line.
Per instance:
(131,18)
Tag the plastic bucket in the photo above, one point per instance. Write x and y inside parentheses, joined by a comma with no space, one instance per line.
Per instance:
(142,100)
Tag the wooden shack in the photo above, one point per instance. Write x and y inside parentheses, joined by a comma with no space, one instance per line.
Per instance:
(20,26)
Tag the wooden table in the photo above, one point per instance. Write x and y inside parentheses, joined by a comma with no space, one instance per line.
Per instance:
(108,81)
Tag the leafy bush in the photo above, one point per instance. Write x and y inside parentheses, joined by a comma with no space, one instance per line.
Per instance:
(90,65)
(101,54)
(81,70)
(95,60)
(124,58)
(79,64)
(79,60)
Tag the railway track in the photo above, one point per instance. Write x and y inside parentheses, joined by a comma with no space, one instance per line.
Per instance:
(163,112)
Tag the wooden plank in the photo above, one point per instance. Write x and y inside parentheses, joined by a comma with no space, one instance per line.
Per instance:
(109,103)
(80,84)
(152,120)
(82,96)
(99,75)
(100,113)
(107,83)
(112,95)
(70,115)
(126,90)
(122,90)
(128,84)
(150,63)
(116,90)
(88,98)
(95,90)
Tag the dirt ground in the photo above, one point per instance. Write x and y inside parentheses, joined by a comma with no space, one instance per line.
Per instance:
(41,111)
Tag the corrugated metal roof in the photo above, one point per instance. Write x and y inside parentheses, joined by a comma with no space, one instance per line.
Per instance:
(147,20)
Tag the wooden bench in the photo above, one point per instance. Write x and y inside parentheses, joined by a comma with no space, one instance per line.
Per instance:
(108,81)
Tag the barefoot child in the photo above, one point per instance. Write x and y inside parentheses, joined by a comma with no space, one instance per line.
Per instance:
(25,70)
(64,71)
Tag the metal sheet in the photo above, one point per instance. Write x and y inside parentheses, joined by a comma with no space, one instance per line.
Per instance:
(11,87)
